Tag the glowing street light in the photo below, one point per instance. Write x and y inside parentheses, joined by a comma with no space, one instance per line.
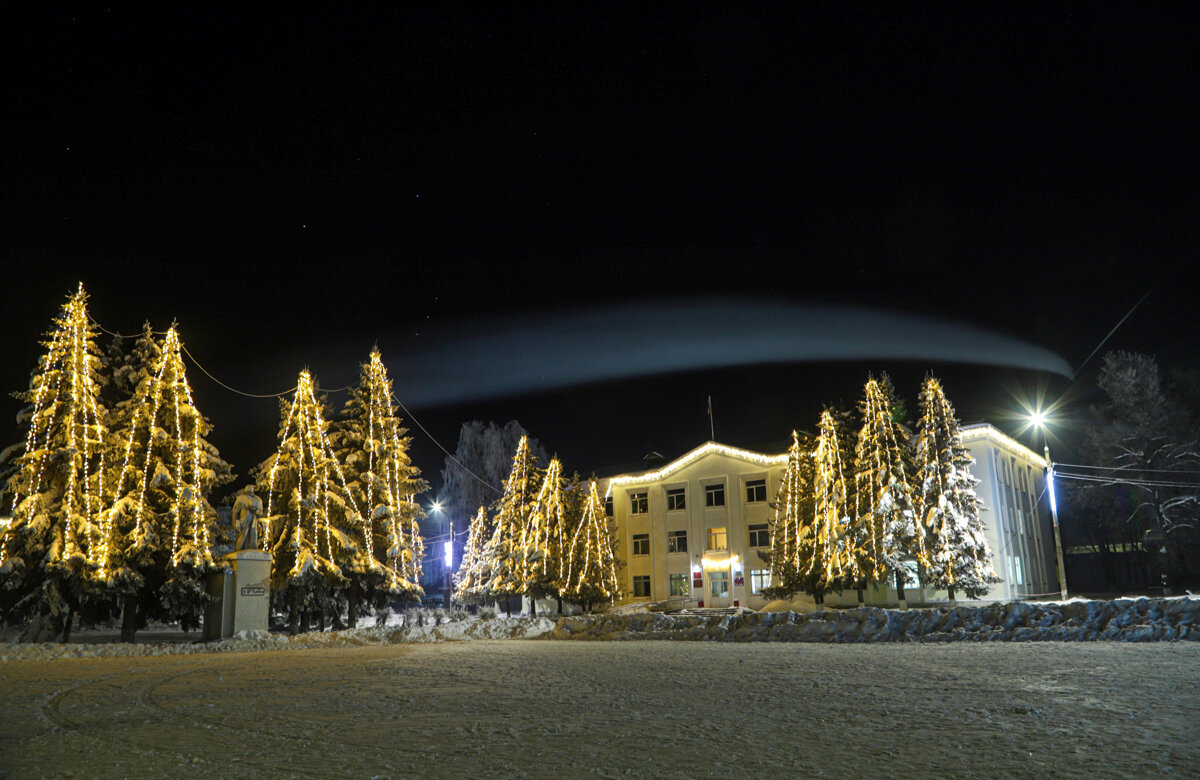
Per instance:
(1038,420)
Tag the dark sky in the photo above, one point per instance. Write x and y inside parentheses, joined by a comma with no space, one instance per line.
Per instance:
(295,188)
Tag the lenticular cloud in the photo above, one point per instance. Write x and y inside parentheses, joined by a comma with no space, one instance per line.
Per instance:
(543,352)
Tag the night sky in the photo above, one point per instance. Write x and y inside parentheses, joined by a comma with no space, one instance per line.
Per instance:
(601,193)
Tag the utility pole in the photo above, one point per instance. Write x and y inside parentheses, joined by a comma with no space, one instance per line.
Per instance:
(1058,546)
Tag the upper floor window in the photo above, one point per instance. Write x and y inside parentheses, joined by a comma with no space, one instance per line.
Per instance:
(714,495)
(756,491)
(717,539)
(759,535)
(677,541)
(641,544)
(676,499)
(608,506)
(639,503)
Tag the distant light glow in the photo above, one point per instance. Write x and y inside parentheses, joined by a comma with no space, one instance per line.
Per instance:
(436,506)
(1038,419)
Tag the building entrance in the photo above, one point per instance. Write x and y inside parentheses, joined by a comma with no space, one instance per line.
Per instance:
(718,588)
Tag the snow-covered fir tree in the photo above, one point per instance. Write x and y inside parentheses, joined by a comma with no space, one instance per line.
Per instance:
(959,558)
(306,497)
(887,522)
(829,556)
(49,553)
(470,580)
(543,548)
(504,556)
(791,526)
(384,554)
(157,534)
(591,575)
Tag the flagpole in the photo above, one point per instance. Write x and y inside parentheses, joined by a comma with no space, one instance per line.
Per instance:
(711,428)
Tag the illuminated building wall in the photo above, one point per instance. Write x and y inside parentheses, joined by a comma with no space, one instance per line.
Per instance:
(649,524)
(691,529)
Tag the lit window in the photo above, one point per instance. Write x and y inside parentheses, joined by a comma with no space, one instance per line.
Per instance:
(676,499)
(759,535)
(641,544)
(641,586)
(679,585)
(714,495)
(639,503)
(717,539)
(759,579)
(677,541)
(756,491)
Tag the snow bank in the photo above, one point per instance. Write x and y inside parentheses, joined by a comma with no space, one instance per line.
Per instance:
(1141,620)
(253,641)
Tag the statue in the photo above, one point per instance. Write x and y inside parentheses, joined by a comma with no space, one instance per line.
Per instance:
(247,508)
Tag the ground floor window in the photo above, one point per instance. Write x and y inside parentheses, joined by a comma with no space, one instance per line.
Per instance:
(679,585)
(641,586)
(759,579)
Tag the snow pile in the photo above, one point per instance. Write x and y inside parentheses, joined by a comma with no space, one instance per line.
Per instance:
(1141,620)
(253,641)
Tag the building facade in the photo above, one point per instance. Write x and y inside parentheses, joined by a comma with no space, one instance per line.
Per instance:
(692,529)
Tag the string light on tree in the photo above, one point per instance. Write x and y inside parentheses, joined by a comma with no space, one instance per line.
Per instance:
(946,501)
(304,483)
(55,485)
(887,524)
(591,574)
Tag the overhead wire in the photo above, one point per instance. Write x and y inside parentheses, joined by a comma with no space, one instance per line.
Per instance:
(291,390)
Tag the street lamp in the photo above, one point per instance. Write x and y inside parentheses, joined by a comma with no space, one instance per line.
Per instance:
(447,554)
(1038,420)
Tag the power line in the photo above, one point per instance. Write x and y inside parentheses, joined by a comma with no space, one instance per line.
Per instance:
(233,389)
(1114,330)
(455,460)
(1122,468)
(1119,481)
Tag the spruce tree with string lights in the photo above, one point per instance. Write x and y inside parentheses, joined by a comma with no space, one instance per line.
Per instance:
(886,528)
(591,571)
(543,550)
(157,534)
(469,582)
(49,552)
(828,556)
(791,526)
(385,551)
(306,499)
(946,503)
(504,558)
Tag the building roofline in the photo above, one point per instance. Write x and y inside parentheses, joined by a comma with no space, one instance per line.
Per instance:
(989,432)
(690,457)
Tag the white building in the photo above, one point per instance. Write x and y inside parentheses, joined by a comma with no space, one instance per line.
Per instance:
(691,530)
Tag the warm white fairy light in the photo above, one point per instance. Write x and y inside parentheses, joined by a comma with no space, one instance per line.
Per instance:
(169,393)
(313,447)
(75,411)
(691,457)
(591,570)
(830,510)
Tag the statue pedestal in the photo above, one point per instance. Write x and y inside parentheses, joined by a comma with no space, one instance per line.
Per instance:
(241,595)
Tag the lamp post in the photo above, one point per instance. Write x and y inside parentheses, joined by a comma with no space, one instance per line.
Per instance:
(1039,421)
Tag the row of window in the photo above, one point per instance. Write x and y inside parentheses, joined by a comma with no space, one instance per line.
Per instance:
(759,579)
(714,495)
(718,539)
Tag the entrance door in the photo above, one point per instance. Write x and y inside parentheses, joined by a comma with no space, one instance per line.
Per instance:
(718,588)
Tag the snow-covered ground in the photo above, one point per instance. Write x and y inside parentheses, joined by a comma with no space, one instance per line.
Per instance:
(1136,620)
(611,709)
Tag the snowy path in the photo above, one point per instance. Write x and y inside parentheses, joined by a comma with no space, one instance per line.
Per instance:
(556,708)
